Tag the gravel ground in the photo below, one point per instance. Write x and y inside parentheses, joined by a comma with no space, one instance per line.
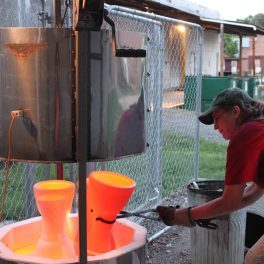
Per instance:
(170,248)
(173,246)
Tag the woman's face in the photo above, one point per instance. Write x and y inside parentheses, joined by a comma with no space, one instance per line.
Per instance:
(225,121)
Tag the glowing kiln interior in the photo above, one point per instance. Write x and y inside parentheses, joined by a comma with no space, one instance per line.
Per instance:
(17,241)
(53,238)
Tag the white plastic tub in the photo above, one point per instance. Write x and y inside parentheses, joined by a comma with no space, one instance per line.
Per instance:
(17,242)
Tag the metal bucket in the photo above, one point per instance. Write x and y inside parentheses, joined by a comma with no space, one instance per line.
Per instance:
(226,243)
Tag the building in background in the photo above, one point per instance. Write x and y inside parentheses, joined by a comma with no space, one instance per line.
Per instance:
(249,60)
(213,61)
(252,57)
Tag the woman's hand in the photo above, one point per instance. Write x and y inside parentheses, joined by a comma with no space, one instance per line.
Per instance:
(171,216)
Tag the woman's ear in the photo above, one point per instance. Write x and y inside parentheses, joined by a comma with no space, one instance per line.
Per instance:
(236,111)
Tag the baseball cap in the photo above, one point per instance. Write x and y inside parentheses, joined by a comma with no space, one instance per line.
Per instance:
(228,97)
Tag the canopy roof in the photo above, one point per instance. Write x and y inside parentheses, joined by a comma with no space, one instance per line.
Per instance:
(192,13)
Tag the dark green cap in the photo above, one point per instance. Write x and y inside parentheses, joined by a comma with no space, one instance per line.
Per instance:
(228,97)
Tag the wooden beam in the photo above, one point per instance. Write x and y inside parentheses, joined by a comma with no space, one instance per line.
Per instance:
(240,55)
(253,55)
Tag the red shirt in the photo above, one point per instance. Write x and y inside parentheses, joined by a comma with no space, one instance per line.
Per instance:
(245,155)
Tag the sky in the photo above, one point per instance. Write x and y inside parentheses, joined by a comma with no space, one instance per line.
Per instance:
(233,9)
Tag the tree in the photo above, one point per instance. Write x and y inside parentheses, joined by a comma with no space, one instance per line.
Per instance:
(230,45)
(230,42)
(257,20)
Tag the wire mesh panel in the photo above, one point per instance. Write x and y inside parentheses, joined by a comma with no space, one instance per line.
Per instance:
(172,106)
(172,103)
(19,202)
(23,13)
(139,167)
(32,13)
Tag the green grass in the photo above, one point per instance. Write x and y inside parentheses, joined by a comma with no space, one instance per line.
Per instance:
(212,159)
(178,159)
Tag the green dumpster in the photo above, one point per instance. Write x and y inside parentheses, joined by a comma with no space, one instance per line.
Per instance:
(237,82)
(211,86)
(249,86)
(246,83)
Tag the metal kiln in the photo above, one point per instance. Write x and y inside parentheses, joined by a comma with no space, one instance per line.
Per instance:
(75,93)
(38,78)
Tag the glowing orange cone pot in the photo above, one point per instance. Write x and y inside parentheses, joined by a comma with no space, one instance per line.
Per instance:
(54,199)
(107,194)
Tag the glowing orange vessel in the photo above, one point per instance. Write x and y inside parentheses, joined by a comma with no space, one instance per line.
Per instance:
(107,194)
(54,201)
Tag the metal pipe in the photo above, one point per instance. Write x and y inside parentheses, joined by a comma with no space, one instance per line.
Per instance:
(222,49)
(82,100)
(56,13)
(158,157)
(159,233)
(198,109)
(148,15)
(82,213)
(253,56)
(59,170)
(139,18)
(42,13)
(240,55)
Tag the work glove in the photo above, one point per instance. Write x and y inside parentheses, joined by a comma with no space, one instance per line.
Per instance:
(171,216)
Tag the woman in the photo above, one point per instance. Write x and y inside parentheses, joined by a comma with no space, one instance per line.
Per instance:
(239,119)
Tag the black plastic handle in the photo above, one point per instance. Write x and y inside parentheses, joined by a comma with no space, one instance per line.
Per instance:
(136,53)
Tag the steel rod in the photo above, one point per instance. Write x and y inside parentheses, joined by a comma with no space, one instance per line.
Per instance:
(82,87)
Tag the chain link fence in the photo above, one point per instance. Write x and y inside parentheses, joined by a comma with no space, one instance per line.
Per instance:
(172,104)
(172,97)
(32,13)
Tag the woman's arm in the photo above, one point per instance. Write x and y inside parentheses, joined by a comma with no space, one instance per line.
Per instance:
(231,200)
(234,197)
(251,194)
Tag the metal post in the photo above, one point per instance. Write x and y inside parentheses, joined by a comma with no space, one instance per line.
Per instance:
(240,55)
(56,13)
(82,87)
(198,109)
(222,49)
(158,157)
(59,171)
(253,55)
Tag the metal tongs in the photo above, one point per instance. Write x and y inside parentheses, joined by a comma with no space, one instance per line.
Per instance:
(124,214)
(206,223)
